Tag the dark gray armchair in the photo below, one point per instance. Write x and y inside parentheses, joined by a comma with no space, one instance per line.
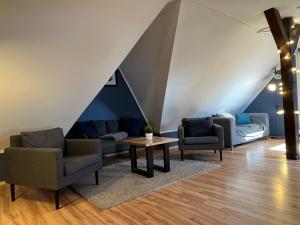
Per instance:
(44,159)
(200,134)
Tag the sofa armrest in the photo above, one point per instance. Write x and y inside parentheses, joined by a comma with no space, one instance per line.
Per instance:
(260,117)
(263,118)
(228,125)
(83,147)
(36,167)
(219,131)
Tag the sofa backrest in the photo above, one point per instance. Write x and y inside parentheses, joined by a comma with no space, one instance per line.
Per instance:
(198,127)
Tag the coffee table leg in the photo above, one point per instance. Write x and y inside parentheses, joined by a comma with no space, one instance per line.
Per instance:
(133,157)
(166,158)
(149,158)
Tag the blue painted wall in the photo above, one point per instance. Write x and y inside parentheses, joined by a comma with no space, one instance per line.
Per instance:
(112,102)
(266,102)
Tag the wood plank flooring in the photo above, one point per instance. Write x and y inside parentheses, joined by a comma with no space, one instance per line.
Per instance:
(255,185)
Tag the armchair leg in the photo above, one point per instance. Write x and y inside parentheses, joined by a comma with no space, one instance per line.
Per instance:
(56,197)
(12,192)
(221,157)
(181,152)
(97,178)
(215,151)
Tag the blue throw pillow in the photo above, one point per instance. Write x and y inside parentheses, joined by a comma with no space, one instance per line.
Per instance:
(242,118)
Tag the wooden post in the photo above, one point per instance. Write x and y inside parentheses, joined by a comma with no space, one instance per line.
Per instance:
(286,35)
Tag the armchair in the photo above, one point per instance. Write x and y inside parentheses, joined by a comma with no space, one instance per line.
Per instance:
(200,134)
(43,159)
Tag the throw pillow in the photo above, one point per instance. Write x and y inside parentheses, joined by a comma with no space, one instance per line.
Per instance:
(52,138)
(88,128)
(243,118)
(198,127)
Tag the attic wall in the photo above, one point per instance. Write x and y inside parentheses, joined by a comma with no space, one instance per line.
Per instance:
(55,56)
(146,67)
(219,64)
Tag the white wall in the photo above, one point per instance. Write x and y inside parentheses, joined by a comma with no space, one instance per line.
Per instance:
(218,64)
(55,56)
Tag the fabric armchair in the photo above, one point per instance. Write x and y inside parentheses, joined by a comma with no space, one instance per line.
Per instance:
(200,134)
(30,160)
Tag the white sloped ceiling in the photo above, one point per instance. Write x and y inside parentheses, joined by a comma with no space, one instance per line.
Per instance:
(219,62)
(55,56)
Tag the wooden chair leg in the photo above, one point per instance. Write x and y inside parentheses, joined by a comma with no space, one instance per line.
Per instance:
(215,151)
(12,192)
(181,153)
(56,196)
(221,157)
(97,178)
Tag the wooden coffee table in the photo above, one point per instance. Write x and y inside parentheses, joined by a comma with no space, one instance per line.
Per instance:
(148,145)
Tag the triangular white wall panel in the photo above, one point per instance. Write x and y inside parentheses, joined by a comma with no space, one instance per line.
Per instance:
(55,56)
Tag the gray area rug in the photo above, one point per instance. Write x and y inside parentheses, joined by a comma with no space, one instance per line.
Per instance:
(117,184)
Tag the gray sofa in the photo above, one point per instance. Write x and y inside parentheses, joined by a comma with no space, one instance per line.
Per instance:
(44,159)
(239,134)
(110,132)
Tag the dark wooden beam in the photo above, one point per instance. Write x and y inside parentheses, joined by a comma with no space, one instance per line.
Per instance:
(277,28)
(286,35)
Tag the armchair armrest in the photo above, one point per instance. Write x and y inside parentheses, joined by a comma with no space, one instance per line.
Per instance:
(180,136)
(83,147)
(228,125)
(219,131)
(37,167)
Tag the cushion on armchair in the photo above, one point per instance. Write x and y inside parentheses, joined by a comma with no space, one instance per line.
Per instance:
(72,164)
(201,140)
(52,138)
(198,127)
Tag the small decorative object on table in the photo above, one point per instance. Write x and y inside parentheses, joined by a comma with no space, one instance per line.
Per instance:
(149,131)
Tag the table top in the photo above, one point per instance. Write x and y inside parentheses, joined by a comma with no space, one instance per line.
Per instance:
(142,141)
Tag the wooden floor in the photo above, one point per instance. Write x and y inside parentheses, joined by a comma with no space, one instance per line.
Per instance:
(255,185)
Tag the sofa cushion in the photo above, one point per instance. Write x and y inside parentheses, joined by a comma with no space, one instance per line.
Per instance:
(88,128)
(52,138)
(72,164)
(133,126)
(101,127)
(201,140)
(112,126)
(198,127)
(243,118)
(118,136)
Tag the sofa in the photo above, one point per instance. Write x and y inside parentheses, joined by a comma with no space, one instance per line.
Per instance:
(235,134)
(110,132)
